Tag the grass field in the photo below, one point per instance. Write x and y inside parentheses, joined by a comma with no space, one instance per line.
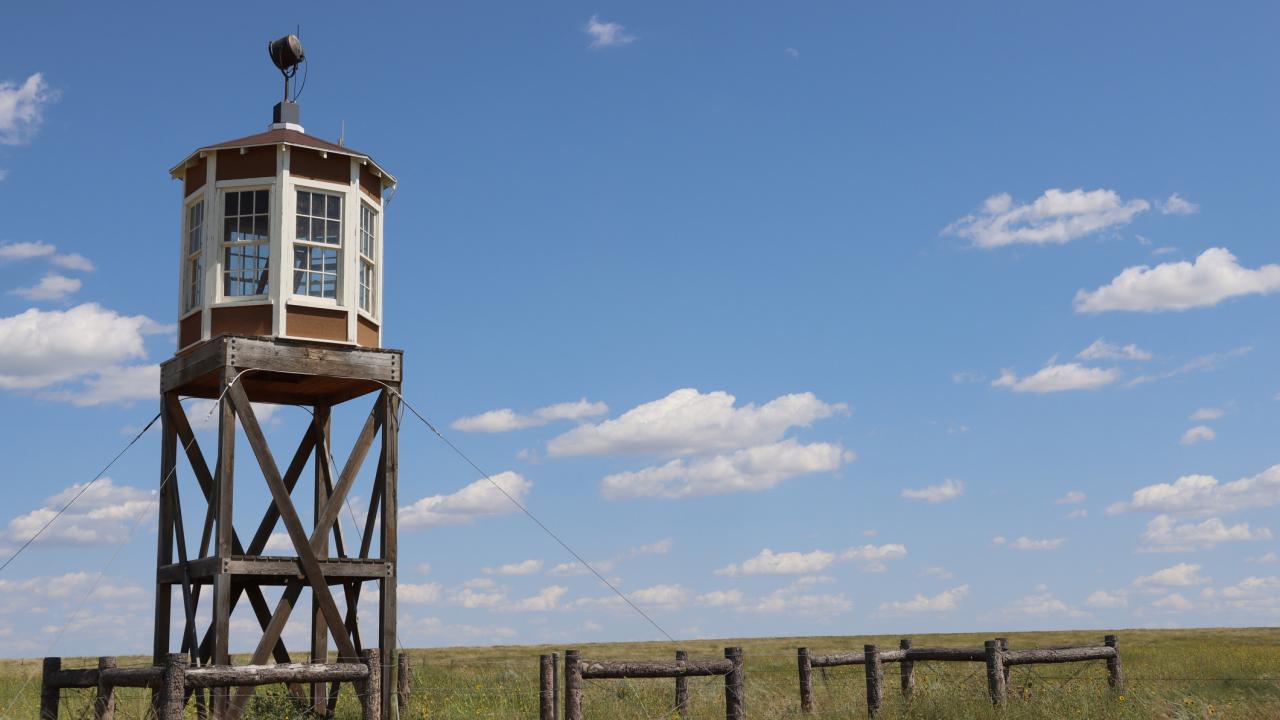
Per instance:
(1218,673)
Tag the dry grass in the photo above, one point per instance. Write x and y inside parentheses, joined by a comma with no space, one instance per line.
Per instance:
(1228,673)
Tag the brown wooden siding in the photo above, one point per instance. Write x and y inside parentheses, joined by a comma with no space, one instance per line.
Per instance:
(308,164)
(195,177)
(246,320)
(319,323)
(256,162)
(367,333)
(370,183)
(189,330)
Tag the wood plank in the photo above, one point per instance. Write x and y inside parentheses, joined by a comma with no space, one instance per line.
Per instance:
(315,359)
(387,601)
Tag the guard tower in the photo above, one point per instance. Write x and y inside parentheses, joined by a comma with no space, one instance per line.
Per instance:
(280,301)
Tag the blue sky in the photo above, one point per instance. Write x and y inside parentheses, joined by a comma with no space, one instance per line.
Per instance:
(848,320)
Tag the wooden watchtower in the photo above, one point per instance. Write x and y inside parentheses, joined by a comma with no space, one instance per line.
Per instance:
(280,302)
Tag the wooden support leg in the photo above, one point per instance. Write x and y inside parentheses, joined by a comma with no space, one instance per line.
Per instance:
(995,671)
(875,678)
(735,690)
(319,631)
(224,532)
(907,670)
(805,670)
(682,689)
(390,464)
(164,541)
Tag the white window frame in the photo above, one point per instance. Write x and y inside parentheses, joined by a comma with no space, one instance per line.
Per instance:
(193,260)
(340,247)
(369,259)
(222,245)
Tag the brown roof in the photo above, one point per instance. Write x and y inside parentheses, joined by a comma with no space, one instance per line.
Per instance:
(288,137)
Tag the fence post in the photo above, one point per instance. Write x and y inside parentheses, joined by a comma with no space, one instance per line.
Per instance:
(403,684)
(572,686)
(104,706)
(875,678)
(371,695)
(1004,648)
(908,669)
(1115,676)
(682,689)
(555,686)
(806,679)
(995,671)
(735,696)
(175,686)
(49,693)
(546,688)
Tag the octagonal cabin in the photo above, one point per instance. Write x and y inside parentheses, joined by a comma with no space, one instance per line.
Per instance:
(281,238)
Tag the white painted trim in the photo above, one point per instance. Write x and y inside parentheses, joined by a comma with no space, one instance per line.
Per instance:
(287,126)
(351,258)
(279,259)
(246,183)
(308,301)
(219,299)
(212,251)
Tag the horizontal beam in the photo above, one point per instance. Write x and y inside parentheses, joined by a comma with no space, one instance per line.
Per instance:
(245,675)
(912,655)
(614,670)
(1036,656)
(270,570)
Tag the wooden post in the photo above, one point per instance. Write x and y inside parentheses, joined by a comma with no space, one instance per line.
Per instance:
(49,693)
(1115,676)
(174,686)
(806,679)
(546,688)
(555,686)
(682,689)
(995,671)
(908,670)
(875,678)
(104,705)
(572,686)
(388,407)
(735,696)
(223,543)
(1004,648)
(164,541)
(403,683)
(371,689)
(320,498)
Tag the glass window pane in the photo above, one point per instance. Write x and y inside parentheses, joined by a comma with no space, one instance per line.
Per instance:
(335,207)
(304,203)
(260,227)
(299,257)
(261,202)
(232,207)
(331,232)
(299,282)
(317,231)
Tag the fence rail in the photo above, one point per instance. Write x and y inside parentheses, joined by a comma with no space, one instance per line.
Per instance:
(578,669)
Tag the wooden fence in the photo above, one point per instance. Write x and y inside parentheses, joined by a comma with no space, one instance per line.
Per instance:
(994,653)
(175,682)
(577,669)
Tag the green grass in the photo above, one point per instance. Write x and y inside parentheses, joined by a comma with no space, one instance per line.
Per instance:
(1218,673)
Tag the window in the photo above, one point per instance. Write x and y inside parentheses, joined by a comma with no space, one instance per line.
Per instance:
(316,243)
(193,257)
(368,246)
(246,246)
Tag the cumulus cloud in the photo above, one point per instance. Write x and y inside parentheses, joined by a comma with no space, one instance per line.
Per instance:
(660,597)
(750,469)
(1174,602)
(1055,217)
(796,599)
(1209,361)
(948,489)
(527,567)
(478,499)
(1056,377)
(545,600)
(720,599)
(1213,277)
(419,594)
(1180,575)
(872,558)
(607,34)
(1041,603)
(945,601)
(1103,350)
(506,419)
(1026,543)
(1071,498)
(25,250)
(39,348)
(22,108)
(51,287)
(1164,534)
(73,261)
(1203,495)
(104,514)
(786,563)
(688,422)
(1178,205)
(1104,600)
(1204,414)
(1199,433)
(117,385)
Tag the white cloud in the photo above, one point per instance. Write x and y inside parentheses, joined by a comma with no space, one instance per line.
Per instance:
(1214,276)
(278,542)
(948,489)
(1174,602)
(607,34)
(1163,534)
(528,567)
(1202,495)
(1206,362)
(22,108)
(1180,575)
(937,571)
(51,287)
(792,53)
(1103,350)
(1199,433)
(39,348)
(506,419)
(1265,559)
(1204,414)
(1041,603)
(1056,377)
(720,599)
(1178,205)
(662,597)
(872,558)
(104,514)
(1072,497)
(73,261)
(476,500)
(118,385)
(945,601)
(419,594)
(1026,543)
(1104,600)
(786,563)
(1055,217)
(546,600)
(575,569)
(795,599)
(1077,514)
(688,422)
(25,250)
(750,469)
(1252,587)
